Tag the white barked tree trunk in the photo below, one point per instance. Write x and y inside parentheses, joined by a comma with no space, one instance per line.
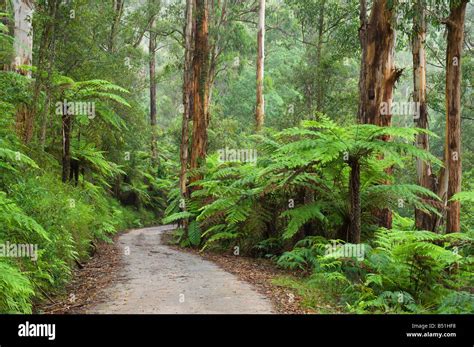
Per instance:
(23,32)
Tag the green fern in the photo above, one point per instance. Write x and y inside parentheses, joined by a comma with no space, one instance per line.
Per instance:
(194,233)
(463,197)
(299,216)
(178,216)
(15,290)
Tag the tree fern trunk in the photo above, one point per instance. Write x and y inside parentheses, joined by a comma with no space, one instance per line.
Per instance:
(355,207)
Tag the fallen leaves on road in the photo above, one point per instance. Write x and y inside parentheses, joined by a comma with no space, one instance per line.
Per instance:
(258,272)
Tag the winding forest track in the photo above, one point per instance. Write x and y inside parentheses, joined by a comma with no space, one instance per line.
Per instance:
(158,279)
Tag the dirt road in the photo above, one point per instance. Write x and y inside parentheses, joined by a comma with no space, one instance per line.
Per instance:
(158,279)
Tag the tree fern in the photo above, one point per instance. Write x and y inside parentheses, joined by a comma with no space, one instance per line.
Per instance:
(176,217)
(463,197)
(194,233)
(300,216)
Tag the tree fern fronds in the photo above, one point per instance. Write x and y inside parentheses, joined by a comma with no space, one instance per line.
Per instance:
(15,290)
(15,158)
(300,216)
(89,94)
(463,197)
(178,216)
(102,85)
(194,233)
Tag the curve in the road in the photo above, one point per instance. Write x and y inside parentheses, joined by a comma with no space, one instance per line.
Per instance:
(158,279)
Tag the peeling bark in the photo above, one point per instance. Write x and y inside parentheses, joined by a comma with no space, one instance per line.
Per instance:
(200,87)
(187,90)
(455,25)
(380,77)
(423,221)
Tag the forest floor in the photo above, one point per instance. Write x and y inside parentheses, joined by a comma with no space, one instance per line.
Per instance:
(142,273)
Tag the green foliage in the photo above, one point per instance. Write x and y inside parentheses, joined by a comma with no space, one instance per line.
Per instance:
(194,233)
(296,196)
(63,222)
(176,217)
(300,216)
(405,271)
(16,290)
(94,160)
(291,205)
(421,267)
(241,203)
(464,197)
(36,209)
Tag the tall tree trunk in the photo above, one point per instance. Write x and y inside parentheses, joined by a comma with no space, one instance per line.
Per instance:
(440,184)
(381,73)
(152,70)
(354,180)
(200,86)
(5,20)
(23,48)
(319,48)
(455,25)
(46,56)
(45,118)
(117,16)
(216,46)
(423,221)
(354,194)
(380,77)
(260,108)
(23,32)
(363,59)
(66,153)
(187,90)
